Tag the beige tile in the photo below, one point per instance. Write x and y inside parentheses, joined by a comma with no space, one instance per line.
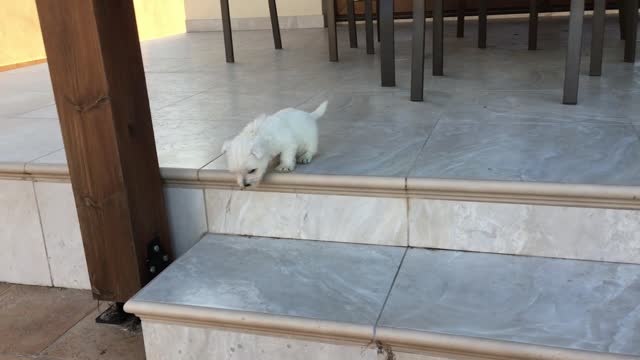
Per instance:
(31,317)
(62,235)
(88,341)
(23,257)
(4,287)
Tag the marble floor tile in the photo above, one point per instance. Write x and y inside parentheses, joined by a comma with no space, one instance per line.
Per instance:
(169,342)
(61,230)
(21,236)
(573,304)
(89,341)
(532,151)
(4,287)
(329,281)
(348,219)
(34,317)
(187,217)
(16,103)
(23,140)
(536,230)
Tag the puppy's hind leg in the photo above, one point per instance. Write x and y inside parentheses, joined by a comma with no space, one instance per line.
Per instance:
(287,161)
(309,151)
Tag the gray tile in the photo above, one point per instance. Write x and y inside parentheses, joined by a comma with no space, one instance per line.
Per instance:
(328,281)
(564,303)
(187,217)
(23,140)
(532,151)
(16,103)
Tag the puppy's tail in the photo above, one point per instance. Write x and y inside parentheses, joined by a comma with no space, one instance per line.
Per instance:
(317,113)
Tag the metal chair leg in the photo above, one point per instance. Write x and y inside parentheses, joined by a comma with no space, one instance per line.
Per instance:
(482,24)
(597,38)
(438,37)
(333,36)
(621,21)
(417,52)
(387,56)
(574,48)
(368,19)
(462,5)
(275,24)
(351,19)
(378,18)
(631,30)
(533,24)
(226,30)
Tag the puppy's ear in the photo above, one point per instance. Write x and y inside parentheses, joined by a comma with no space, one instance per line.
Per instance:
(258,149)
(225,146)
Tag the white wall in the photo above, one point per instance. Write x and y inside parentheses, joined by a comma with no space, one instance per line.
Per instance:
(204,15)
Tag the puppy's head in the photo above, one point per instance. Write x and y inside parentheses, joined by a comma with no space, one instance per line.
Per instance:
(247,158)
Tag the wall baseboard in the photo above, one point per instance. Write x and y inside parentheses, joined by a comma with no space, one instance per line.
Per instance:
(260,23)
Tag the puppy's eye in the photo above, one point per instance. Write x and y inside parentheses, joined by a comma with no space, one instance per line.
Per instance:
(252,171)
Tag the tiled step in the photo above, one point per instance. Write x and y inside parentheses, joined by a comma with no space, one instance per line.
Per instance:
(245,298)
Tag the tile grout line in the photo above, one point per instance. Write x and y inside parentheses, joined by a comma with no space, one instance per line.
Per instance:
(40,157)
(386,299)
(424,145)
(44,241)
(206,212)
(84,316)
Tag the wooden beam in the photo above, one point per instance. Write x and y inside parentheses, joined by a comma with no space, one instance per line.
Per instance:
(99,85)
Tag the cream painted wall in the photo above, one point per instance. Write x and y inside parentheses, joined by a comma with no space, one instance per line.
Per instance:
(21,41)
(210,9)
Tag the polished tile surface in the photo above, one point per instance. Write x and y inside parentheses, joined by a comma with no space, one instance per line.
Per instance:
(352,219)
(170,342)
(564,303)
(61,231)
(21,236)
(551,231)
(328,281)
(496,114)
(186,215)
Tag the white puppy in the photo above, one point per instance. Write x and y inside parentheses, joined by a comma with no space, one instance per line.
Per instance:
(290,133)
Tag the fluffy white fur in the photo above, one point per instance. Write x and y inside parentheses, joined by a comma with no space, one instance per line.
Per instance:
(290,134)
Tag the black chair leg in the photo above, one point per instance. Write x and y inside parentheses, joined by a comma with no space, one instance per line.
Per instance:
(387,47)
(275,24)
(226,30)
(482,24)
(621,21)
(438,37)
(378,18)
(368,19)
(533,24)
(574,49)
(333,36)
(351,19)
(631,30)
(597,37)
(417,52)
(462,5)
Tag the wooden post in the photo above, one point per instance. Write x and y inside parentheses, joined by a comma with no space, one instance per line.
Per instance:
(98,80)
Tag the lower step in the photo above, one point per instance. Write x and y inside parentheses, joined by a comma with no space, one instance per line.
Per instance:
(233,297)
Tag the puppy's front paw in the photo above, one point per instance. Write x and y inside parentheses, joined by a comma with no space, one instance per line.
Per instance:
(305,159)
(285,168)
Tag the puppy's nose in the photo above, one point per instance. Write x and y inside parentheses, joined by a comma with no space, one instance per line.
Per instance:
(247,185)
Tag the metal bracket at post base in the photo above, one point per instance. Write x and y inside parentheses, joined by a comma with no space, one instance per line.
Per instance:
(157,259)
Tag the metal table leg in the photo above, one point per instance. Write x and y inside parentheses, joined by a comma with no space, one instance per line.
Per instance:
(533,24)
(438,37)
(378,18)
(351,19)
(387,56)
(574,47)
(597,39)
(333,36)
(417,52)
(275,25)
(621,21)
(462,4)
(482,24)
(226,29)
(631,30)
(368,20)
